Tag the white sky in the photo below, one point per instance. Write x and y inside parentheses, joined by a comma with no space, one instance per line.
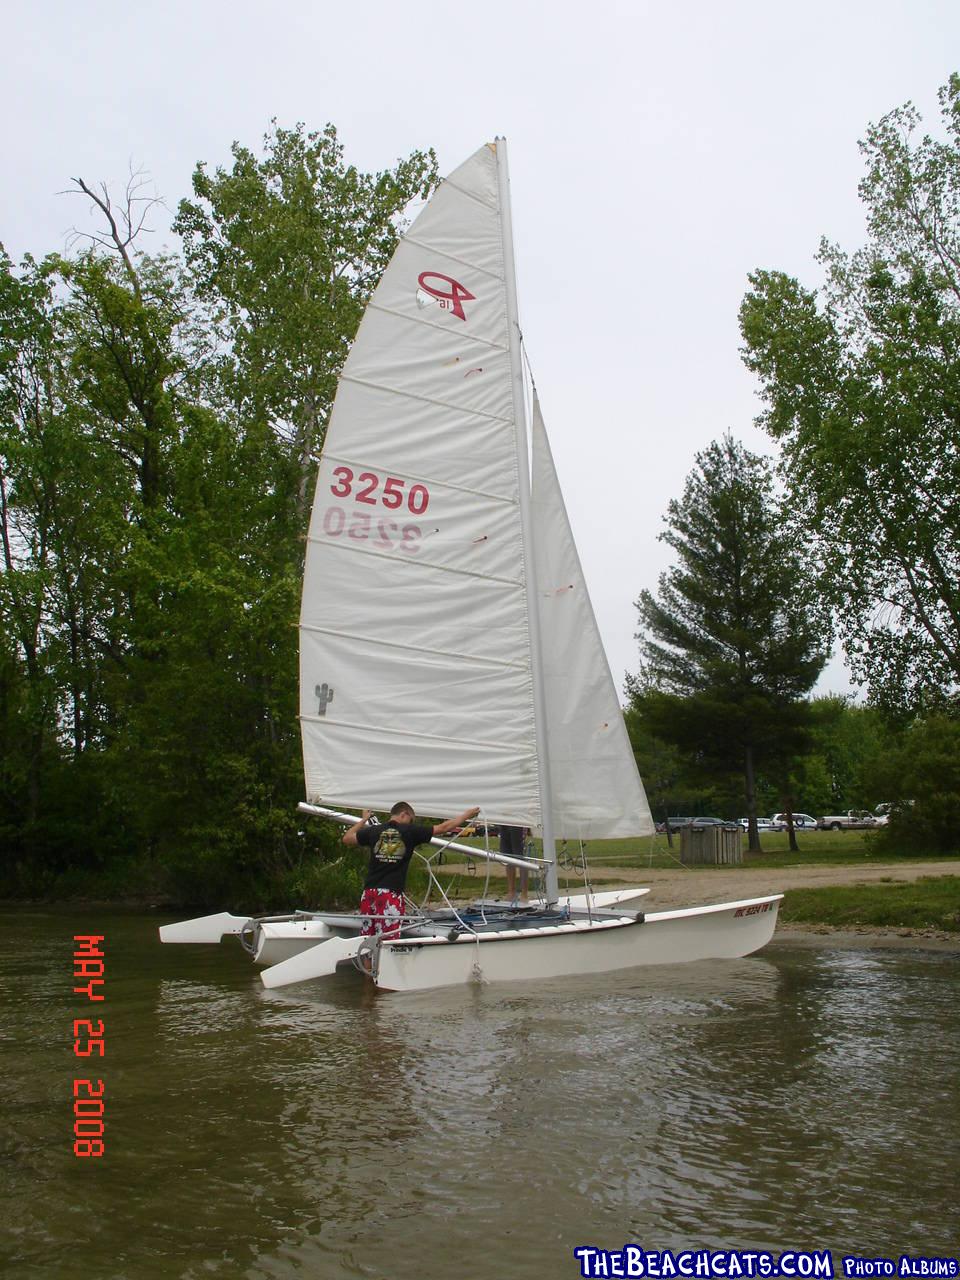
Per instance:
(657,153)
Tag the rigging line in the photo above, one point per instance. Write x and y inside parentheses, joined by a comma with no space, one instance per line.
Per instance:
(486,849)
(588,887)
(530,396)
(526,361)
(434,881)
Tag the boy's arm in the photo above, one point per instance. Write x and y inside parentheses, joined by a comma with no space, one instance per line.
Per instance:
(442,828)
(350,835)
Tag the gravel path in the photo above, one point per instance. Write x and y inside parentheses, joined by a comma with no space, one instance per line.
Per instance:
(682,886)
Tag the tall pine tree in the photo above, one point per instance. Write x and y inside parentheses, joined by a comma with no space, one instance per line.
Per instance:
(736,636)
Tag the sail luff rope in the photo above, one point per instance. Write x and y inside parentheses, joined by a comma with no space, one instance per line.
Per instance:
(522,445)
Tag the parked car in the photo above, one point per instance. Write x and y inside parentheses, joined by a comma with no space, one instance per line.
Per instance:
(801,822)
(884,812)
(677,824)
(852,820)
(763,824)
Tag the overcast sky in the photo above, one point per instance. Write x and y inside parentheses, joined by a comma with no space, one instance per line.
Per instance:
(658,153)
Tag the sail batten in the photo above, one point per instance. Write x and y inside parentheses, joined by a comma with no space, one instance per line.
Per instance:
(439,653)
(391,311)
(472,744)
(408,239)
(413,395)
(461,488)
(471,195)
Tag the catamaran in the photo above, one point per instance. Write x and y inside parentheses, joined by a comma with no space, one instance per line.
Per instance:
(449,653)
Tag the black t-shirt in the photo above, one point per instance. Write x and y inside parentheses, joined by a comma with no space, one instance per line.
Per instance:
(391,847)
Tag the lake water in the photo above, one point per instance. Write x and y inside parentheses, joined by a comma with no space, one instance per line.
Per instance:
(801,1098)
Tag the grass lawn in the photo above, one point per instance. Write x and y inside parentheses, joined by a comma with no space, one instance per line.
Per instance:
(930,903)
(824,847)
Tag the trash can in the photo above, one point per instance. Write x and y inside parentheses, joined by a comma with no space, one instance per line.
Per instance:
(711,846)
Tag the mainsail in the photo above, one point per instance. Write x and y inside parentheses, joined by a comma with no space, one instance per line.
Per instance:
(417,670)
(415,651)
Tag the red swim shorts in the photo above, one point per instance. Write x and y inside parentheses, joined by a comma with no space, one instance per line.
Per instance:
(384,910)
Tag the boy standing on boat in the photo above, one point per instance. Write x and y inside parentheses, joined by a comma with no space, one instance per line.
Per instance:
(391,846)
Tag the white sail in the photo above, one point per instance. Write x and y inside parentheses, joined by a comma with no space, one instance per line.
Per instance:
(415,664)
(597,792)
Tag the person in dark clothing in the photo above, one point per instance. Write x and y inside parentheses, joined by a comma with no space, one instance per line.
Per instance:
(391,846)
(512,841)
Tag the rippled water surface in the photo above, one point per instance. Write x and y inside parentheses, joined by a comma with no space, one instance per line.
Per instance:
(800,1098)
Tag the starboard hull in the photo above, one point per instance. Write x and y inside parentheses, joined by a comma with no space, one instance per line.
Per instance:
(725,931)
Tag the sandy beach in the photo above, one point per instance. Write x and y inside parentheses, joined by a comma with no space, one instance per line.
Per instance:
(690,886)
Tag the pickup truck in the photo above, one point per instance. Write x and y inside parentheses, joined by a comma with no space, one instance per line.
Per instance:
(852,820)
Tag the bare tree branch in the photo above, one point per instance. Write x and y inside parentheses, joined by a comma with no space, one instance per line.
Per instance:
(124,227)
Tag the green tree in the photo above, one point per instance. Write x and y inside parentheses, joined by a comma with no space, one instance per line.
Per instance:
(735,638)
(921,780)
(28,689)
(157,427)
(290,247)
(862,384)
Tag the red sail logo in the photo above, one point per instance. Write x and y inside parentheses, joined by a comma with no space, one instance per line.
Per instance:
(449,299)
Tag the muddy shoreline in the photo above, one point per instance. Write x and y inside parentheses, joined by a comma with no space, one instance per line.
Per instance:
(860,936)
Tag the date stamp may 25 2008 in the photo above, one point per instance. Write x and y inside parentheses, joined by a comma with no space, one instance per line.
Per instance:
(89,966)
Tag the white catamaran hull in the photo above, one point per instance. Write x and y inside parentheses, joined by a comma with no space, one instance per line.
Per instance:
(275,943)
(277,940)
(725,931)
